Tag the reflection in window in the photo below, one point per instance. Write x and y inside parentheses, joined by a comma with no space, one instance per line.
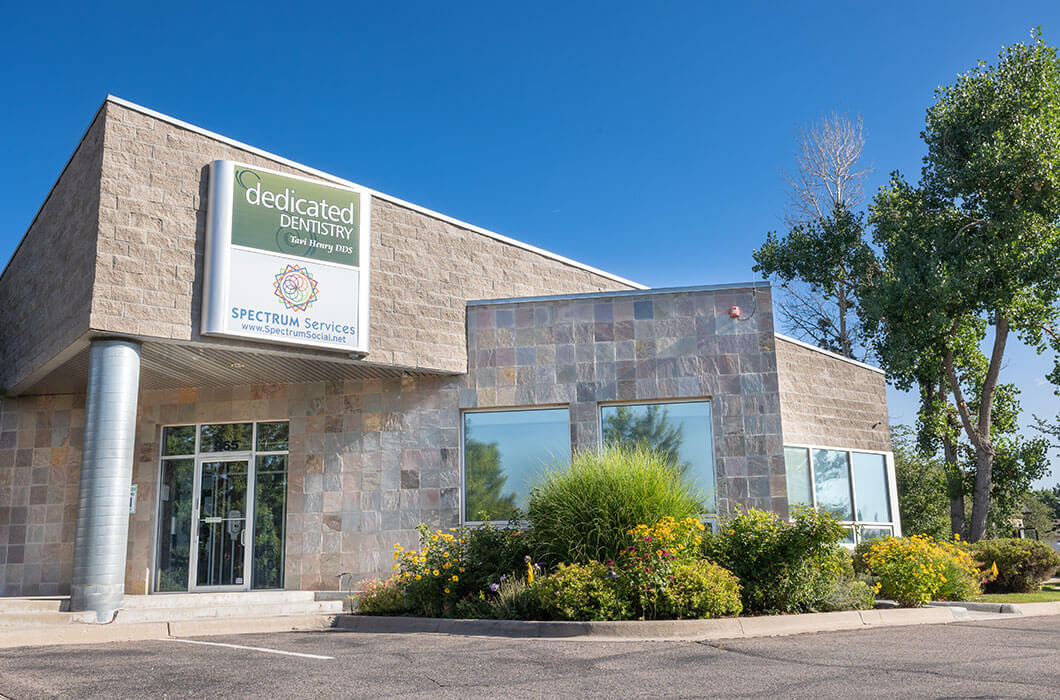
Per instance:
(272,437)
(679,431)
(797,466)
(870,487)
(226,437)
(174,522)
(503,452)
(270,509)
(178,440)
(831,478)
(844,483)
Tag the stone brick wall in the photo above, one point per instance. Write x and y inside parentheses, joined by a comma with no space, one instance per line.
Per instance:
(46,289)
(40,458)
(369,460)
(828,401)
(151,245)
(643,347)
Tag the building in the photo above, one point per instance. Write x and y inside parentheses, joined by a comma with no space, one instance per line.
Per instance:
(224,370)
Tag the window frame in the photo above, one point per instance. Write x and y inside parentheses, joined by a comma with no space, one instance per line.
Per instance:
(712,518)
(854,524)
(463,445)
(195,456)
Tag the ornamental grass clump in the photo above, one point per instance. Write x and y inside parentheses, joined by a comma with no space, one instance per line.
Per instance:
(915,570)
(583,511)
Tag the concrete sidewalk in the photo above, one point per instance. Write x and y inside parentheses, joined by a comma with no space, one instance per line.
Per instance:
(649,630)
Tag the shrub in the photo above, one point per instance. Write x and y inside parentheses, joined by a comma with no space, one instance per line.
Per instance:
(580,592)
(583,511)
(453,566)
(700,589)
(915,570)
(383,597)
(1022,565)
(861,552)
(648,561)
(782,566)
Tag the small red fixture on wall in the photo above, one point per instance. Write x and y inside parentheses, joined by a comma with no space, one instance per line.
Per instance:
(734,312)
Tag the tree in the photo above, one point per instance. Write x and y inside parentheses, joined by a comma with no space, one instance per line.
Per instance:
(1051,499)
(649,427)
(821,260)
(484,487)
(921,481)
(975,245)
(821,265)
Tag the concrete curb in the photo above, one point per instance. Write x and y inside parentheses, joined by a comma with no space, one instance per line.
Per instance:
(722,628)
(1024,609)
(139,631)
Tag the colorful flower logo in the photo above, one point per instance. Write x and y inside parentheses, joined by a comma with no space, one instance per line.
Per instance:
(295,287)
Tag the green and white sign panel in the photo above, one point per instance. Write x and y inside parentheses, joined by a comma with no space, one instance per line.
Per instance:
(286,259)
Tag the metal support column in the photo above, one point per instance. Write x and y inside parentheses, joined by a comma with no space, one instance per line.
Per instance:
(98,582)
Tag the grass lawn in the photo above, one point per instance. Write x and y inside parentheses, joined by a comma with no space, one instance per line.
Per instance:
(1048,593)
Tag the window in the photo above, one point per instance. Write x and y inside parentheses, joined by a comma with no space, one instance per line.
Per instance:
(853,486)
(503,453)
(679,430)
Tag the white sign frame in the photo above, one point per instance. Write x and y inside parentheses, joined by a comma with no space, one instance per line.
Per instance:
(217,268)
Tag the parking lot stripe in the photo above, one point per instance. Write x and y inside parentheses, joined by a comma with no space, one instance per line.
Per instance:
(239,646)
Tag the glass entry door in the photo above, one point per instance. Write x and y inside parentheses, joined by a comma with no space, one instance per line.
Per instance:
(222,507)
(220,556)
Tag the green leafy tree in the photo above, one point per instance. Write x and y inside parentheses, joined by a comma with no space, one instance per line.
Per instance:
(648,427)
(921,481)
(484,482)
(821,264)
(975,246)
(1051,499)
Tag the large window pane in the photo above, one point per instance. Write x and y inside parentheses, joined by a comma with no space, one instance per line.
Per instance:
(178,440)
(797,466)
(226,437)
(503,452)
(679,431)
(831,476)
(174,523)
(870,488)
(270,509)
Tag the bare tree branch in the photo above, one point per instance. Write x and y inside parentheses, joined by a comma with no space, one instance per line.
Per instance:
(827,172)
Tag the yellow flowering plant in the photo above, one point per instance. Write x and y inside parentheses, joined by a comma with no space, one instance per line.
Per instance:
(452,571)
(915,570)
(648,561)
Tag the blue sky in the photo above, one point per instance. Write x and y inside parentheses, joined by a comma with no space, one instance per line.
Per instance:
(645,139)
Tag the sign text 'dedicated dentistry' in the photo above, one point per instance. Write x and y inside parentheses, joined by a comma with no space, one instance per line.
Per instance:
(286,259)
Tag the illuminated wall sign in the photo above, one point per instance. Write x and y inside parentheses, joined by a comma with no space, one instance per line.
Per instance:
(286,259)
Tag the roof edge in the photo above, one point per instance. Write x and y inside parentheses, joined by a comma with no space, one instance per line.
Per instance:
(834,355)
(375,193)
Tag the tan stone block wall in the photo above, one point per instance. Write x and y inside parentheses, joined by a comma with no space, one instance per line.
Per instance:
(46,289)
(830,402)
(151,244)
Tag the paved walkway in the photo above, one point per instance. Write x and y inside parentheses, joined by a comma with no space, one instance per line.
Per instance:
(1016,657)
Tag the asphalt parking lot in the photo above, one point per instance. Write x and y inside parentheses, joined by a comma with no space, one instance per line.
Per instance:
(987,658)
